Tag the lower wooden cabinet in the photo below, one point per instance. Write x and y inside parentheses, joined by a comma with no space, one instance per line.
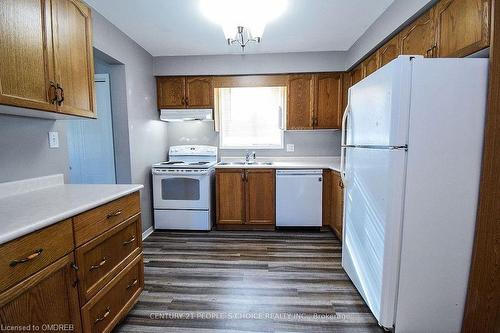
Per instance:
(46,302)
(113,302)
(48,285)
(333,201)
(245,197)
(337,204)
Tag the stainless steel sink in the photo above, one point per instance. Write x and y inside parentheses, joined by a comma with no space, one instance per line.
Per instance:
(246,163)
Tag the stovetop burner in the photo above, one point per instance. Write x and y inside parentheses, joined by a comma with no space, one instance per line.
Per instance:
(171,162)
(198,163)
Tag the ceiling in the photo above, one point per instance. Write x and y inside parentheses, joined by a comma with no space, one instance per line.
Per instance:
(178,27)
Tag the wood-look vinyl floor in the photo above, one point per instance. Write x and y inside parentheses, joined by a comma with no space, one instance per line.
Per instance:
(225,281)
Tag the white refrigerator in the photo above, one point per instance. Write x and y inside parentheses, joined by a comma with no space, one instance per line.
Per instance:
(412,141)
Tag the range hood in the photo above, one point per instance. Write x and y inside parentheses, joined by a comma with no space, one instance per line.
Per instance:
(171,115)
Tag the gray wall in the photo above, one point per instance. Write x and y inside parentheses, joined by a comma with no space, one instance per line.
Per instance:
(24,148)
(398,13)
(317,143)
(250,63)
(147,135)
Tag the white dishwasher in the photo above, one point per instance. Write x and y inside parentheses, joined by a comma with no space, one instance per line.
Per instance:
(299,198)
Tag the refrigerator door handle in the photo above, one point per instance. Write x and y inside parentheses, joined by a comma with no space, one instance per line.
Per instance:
(343,142)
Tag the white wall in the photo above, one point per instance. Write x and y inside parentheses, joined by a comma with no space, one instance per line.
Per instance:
(24,148)
(250,63)
(147,135)
(398,13)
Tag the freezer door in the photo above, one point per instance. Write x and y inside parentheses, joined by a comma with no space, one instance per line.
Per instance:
(374,191)
(379,106)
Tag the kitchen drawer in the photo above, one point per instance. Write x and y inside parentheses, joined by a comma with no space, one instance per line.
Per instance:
(27,255)
(114,301)
(103,257)
(94,222)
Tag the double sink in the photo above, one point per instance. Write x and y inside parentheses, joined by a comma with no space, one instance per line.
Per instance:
(243,163)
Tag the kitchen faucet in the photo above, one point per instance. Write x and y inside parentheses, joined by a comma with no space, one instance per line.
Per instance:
(248,155)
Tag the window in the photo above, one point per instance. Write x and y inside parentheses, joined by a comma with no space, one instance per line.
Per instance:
(251,117)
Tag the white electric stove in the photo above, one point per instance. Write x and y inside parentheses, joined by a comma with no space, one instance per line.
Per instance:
(183,189)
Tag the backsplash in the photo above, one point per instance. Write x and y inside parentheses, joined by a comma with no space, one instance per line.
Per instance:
(307,143)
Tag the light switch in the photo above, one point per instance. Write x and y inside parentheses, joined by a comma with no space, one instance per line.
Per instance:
(290,148)
(53,139)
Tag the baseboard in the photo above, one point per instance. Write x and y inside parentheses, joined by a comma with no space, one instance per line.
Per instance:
(147,232)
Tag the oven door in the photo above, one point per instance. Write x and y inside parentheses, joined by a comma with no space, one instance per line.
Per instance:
(181,191)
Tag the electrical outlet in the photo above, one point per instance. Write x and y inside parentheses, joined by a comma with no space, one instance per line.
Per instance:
(53,139)
(290,148)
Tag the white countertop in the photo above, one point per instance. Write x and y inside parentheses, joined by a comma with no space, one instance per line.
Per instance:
(323,162)
(33,204)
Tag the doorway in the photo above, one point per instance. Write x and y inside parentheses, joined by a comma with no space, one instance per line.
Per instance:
(90,141)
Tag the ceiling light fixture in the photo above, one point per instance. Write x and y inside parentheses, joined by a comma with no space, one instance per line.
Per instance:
(243,21)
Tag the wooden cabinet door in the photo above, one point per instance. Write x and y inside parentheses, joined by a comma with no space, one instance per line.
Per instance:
(300,101)
(230,193)
(199,92)
(356,75)
(73,54)
(337,203)
(346,84)
(388,52)
(260,196)
(47,297)
(462,27)
(370,65)
(328,100)
(26,62)
(171,92)
(419,37)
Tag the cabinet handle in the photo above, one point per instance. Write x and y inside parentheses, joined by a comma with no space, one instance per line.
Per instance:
(32,256)
(53,92)
(341,185)
(183,100)
(61,93)
(129,241)
(99,265)
(243,175)
(434,51)
(113,214)
(187,101)
(131,284)
(104,316)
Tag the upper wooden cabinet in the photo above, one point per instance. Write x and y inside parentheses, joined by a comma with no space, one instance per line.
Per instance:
(199,92)
(388,52)
(356,74)
(179,92)
(26,66)
(74,65)
(245,197)
(300,102)
(46,57)
(314,101)
(328,101)
(171,92)
(419,37)
(462,27)
(370,65)
(346,84)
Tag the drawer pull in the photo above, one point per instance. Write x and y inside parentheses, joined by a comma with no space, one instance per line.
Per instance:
(104,316)
(99,265)
(110,215)
(131,284)
(127,242)
(32,256)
